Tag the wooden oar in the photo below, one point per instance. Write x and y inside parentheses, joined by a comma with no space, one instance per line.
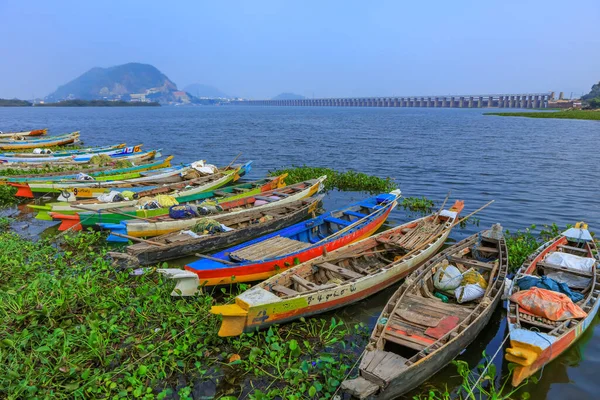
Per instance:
(232,161)
(355,223)
(214,259)
(112,210)
(419,247)
(137,239)
(437,214)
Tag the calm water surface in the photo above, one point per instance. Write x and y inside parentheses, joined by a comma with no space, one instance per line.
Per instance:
(539,171)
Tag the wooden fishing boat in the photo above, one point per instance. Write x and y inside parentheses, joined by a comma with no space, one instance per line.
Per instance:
(49,154)
(72,217)
(90,189)
(73,156)
(139,156)
(270,254)
(104,173)
(36,132)
(417,333)
(46,142)
(165,224)
(240,227)
(570,259)
(340,277)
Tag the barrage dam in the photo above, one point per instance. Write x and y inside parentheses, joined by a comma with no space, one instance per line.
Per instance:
(524,100)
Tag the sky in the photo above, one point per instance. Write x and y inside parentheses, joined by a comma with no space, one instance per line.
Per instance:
(258,49)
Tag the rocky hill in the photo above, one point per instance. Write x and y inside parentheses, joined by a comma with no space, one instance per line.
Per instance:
(128,82)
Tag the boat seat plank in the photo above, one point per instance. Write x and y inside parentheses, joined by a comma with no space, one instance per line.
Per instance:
(355,214)
(470,262)
(360,387)
(304,283)
(486,249)
(418,318)
(341,222)
(557,267)
(221,193)
(280,194)
(268,248)
(419,303)
(404,340)
(571,248)
(346,273)
(240,190)
(389,367)
(284,290)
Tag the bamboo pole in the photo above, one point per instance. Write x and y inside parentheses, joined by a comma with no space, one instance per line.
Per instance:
(214,259)
(232,161)
(113,210)
(355,223)
(137,239)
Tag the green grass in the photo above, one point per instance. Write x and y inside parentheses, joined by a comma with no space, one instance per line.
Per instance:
(593,115)
(75,327)
(346,181)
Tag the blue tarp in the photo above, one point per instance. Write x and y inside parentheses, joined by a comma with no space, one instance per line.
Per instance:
(548,283)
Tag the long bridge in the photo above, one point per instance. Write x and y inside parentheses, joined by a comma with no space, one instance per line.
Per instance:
(524,100)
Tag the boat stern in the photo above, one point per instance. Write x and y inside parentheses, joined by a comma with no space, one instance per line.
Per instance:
(67,222)
(234,319)
(23,190)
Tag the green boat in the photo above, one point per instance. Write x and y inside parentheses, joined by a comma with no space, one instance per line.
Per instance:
(82,220)
(99,174)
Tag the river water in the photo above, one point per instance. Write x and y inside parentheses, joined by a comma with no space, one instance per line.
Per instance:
(538,171)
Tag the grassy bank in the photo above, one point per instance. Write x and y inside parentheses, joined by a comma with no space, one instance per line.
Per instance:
(74,327)
(567,114)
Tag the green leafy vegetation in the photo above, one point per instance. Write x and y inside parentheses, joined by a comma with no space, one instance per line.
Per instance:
(98,103)
(567,114)
(7,196)
(483,383)
(346,181)
(421,204)
(14,103)
(523,243)
(75,327)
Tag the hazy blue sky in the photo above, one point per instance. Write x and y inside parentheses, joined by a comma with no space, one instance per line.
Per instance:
(323,48)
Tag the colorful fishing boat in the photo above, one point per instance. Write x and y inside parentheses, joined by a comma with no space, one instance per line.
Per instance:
(75,156)
(426,323)
(67,152)
(338,278)
(36,132)
(165,224)
(76,219)
(21,143)
(104,173)
(543,322)
(130,209)
(268,255)
(233,229)
(85,189)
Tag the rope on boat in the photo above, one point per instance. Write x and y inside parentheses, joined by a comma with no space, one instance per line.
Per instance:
(487,366)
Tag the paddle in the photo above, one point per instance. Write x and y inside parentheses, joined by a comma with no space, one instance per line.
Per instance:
(137,239)
(232,161)
(355,223)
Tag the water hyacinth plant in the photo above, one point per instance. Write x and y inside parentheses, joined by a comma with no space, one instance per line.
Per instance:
(347,181)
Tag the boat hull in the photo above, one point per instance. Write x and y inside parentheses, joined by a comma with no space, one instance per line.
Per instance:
(263,270)
(261,317)
(223,240)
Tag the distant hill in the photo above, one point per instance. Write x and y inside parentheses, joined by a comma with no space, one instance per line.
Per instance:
(200,90)
(288,96)
(120,83)
(595,92)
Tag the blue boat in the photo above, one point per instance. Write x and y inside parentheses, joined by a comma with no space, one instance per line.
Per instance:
(268,255)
